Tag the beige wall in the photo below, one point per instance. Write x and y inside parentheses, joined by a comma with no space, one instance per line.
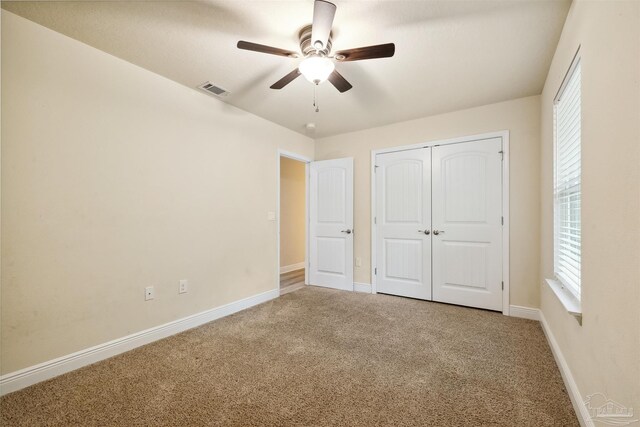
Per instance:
(293,189)
(604,353)
(113,179)
(521,117)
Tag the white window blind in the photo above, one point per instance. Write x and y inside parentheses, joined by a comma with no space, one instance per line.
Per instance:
(567,171)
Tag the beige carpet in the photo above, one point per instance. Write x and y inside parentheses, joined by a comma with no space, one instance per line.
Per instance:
(318,357)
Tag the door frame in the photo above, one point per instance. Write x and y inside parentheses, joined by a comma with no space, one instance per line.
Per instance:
(306,161)
(504,135)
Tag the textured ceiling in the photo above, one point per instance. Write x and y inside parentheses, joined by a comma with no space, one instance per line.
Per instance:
(450,54)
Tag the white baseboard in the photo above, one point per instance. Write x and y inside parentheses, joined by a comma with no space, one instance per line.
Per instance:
(362,287)
(292,267)
(574,394)
(524,312)
(290,289)
(34,374)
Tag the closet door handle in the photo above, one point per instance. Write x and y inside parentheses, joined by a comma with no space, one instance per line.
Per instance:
(427,232)
(346,231)
(436,232)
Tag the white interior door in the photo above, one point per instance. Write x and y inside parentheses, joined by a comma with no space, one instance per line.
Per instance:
(467,223)
(331,223)
(403,223)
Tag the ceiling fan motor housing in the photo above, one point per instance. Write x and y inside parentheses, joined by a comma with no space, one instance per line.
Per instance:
(306,46)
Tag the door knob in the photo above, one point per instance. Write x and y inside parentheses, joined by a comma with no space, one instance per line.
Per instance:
(436,232)
(346,231)
(424,231)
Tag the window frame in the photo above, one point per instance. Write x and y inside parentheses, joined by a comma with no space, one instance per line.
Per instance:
(564,285)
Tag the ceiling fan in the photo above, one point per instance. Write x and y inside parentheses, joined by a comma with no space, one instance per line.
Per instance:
(315,45)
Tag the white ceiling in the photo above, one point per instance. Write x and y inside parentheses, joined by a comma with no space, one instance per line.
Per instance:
(450,54)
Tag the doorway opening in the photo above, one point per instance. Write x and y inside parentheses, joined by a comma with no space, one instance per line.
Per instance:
(292,224)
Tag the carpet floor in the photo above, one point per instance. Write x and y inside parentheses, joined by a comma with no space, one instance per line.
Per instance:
(318,357)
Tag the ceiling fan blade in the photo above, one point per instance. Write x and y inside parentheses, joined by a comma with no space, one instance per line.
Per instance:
(368,52)
(323,13)
(266,49)
(286,79)
(339,82)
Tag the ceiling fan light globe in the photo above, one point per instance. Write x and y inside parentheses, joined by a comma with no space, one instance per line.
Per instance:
(316,69)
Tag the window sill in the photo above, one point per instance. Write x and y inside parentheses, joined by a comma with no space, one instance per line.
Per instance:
(567,299)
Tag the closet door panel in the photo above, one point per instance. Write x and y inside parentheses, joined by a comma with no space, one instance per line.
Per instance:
(467,224)
(403,219)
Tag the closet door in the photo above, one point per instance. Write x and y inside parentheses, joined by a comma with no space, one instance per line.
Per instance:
(467,223)
(403,223)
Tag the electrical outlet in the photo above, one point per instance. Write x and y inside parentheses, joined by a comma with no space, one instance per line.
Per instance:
(183,287)
(149,293)
(358,262)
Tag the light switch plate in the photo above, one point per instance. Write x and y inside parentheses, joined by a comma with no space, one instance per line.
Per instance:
(183,286)
(149,293)
(358,262)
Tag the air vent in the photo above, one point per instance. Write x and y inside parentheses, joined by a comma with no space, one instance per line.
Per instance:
(213,89)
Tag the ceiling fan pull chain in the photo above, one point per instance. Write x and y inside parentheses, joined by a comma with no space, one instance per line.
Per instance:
(315,102)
